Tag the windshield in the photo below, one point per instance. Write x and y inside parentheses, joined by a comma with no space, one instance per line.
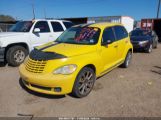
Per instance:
(23,26)
(140,33)
(80,35)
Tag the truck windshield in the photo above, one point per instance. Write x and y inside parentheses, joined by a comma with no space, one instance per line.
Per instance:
(23,26)
(80,35)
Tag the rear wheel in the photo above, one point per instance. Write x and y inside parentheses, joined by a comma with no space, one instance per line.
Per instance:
(127,60)
(84,82)
(16,55)
(149,48)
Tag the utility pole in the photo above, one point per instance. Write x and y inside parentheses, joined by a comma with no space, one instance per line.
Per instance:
(33,10)
(158,8)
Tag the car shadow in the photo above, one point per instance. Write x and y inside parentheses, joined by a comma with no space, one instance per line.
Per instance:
(138,51)
(157,70)
(40,94)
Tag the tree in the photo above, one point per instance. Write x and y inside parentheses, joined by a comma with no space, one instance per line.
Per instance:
(6,18)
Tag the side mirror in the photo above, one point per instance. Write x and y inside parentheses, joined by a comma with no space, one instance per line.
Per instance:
(36,30)
(107,42)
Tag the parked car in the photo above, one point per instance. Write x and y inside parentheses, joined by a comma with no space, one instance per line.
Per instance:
(72,63)
(144,39)
(25,35)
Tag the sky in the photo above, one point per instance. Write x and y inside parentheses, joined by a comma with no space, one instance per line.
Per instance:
(22,9)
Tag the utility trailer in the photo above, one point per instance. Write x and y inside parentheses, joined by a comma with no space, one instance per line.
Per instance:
(152,24)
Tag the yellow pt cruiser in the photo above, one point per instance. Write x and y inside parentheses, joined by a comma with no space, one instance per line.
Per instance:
(72,63)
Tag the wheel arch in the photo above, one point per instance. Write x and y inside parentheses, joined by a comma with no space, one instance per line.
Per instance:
(90,66)
(17,44)
(130,50)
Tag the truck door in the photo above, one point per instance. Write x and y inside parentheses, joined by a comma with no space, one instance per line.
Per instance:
(57,30)
(40,37)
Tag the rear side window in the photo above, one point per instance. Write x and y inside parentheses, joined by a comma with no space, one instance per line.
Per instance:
(120,32)
(57,27)
(108,35)
(43,26)
(68,24)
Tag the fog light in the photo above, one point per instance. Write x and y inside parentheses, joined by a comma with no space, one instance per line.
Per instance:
(57,89)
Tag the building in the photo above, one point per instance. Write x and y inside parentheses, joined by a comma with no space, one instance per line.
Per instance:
(127,21)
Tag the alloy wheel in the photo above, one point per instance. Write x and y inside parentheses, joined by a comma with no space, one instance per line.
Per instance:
(86,82)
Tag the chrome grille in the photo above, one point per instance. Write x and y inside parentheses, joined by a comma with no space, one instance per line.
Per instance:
(35,66)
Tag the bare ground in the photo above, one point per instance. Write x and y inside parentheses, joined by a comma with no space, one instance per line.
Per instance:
(131,92)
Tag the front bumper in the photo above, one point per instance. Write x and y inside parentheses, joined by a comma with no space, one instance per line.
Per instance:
(47,83)
(136,45)
(2,54)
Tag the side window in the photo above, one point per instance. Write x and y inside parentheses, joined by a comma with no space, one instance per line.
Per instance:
(120,32)
(68,24)
(57,27)
(108,35)
(43,26)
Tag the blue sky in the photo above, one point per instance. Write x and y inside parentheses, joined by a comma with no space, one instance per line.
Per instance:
(21,9)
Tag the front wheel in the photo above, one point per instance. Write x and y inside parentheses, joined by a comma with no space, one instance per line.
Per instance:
(149,49)
(155,45)
(84,82)
(127,60)
(16,55)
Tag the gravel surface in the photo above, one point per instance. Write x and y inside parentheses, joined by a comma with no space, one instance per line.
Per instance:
(131,92)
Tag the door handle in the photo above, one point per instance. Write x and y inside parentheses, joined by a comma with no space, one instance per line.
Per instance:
(115,46)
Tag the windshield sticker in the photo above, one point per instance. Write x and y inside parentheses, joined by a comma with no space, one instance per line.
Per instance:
(91,41)
(86,33)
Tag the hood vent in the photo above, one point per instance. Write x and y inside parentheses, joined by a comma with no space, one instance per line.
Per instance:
(41,55)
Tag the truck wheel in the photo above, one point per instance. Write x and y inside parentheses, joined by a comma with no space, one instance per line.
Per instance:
(16,55)
(84,82)
(127,60)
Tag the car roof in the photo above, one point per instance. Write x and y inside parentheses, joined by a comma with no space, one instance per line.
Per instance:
(142,30)
(99,25)
(48,20)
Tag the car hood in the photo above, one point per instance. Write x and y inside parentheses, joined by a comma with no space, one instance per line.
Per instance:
(10,34)
(66,49)
(140,38)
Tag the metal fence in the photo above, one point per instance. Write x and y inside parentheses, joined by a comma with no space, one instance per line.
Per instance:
(5,27)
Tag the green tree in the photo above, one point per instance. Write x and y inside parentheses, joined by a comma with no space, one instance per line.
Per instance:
(6,18)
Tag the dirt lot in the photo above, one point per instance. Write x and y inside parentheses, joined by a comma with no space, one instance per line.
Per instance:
(135,91)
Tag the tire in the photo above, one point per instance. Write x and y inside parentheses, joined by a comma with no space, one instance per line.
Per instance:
(149,49)
(156,45)
(84,82)
(127,60)
(16,55)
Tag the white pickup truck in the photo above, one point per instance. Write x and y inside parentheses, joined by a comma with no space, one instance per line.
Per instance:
(25,35)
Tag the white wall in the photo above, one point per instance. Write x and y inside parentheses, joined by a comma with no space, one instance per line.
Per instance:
(128,22)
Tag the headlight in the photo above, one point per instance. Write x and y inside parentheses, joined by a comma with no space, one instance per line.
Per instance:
(67,69)
(143,42)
